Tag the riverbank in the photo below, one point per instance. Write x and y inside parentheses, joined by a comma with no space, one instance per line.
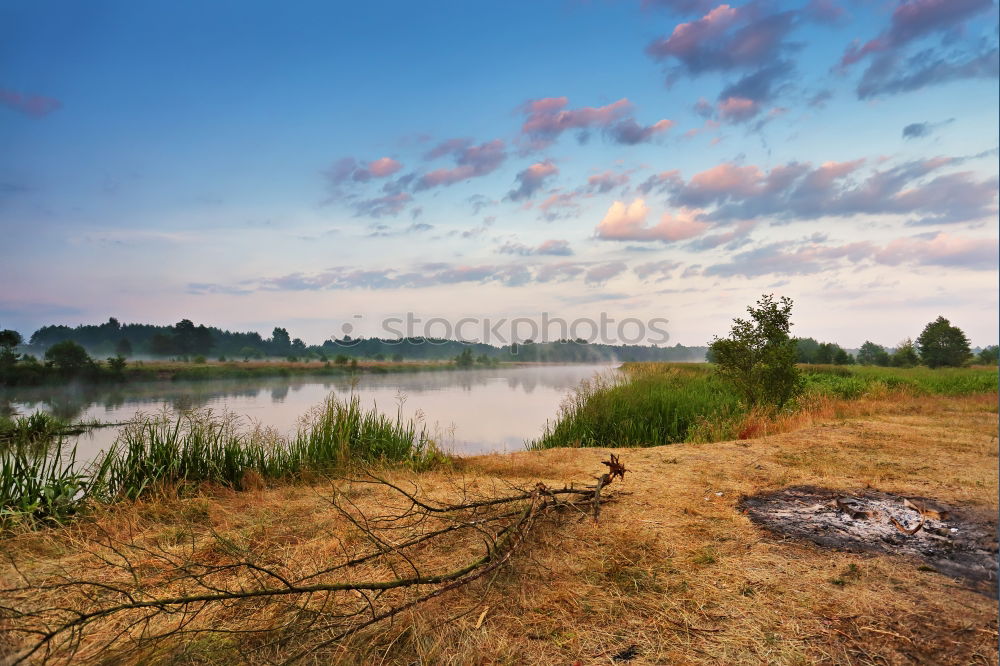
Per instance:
(674,571)
(662,403)
(150,371)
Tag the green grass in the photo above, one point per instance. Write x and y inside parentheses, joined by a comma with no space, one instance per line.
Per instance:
(38,427)
(648,404)
(40,486)
(644,405)
(43,485)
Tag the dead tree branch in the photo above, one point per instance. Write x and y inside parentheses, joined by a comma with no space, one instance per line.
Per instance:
(141,594)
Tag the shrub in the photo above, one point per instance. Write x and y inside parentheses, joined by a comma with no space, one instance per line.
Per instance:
(758,357)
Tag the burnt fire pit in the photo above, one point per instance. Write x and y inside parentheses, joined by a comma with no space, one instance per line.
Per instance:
(947,539)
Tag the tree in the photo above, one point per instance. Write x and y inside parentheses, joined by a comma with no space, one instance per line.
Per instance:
(123,348)
(9,340)
(841,357)
(250,352)
(758,357)
(806,350)
(905,355)
(941,344)
(68,357)
(162,345)
(873,354)
(988,355)
(281,343)
(465,359)
(116,364)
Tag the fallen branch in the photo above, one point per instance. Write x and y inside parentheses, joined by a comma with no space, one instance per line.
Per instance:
(121,596)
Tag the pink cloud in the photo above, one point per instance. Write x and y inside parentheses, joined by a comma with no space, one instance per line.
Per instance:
(606,181)
(623,222)
(348,168)
(471,162)
(892,70)
(687,38)
(726,178)
(383,167)
(941,250)
(35,106)
(737,109)
(531,180)
(547,118)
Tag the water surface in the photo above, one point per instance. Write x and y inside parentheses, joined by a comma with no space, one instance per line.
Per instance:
(468,411)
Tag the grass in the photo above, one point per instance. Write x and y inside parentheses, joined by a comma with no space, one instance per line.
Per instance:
(673,573)
(39,427)
(43,485)
(647,404)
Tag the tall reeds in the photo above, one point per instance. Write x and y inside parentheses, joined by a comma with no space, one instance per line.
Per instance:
(163,451)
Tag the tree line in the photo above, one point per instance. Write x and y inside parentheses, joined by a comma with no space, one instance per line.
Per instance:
(940,344)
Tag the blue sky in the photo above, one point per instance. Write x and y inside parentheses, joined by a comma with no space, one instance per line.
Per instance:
(247,164)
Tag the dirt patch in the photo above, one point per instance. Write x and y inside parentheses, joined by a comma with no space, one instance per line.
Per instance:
(948,539)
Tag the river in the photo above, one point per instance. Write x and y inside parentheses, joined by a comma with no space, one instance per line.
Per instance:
(467,411)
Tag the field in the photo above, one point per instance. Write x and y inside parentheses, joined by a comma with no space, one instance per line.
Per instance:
(674,570)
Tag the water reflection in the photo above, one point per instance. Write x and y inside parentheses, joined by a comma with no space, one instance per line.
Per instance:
(472,410)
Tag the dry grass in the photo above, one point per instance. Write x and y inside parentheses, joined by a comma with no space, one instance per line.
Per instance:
(673,568)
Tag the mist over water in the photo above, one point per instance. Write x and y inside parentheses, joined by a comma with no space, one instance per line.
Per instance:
(467,411)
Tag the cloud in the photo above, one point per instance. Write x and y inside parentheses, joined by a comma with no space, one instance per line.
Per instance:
(605,182)
(753,40)
(628,132)
(471,161)
(531,180)
(385,231)
(827,11)
(737,109)
(663,269)
(941,249)
(748,96)
(917,130)
(36,106)
(560,205)
(348,169)
(726,39)
(547,118)
(448,147)
(390,204)
(604,272)
(479,202)
(680,6)
(559,248)
(800,191)
(428,275)
(384,167)
(891,71)
(810,257)
(628,223)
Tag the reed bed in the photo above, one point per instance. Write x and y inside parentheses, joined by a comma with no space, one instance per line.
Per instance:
(40,485)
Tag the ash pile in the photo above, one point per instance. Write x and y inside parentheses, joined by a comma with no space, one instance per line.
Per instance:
(949,540)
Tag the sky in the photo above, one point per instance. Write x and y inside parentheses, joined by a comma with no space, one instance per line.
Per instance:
(325,166)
